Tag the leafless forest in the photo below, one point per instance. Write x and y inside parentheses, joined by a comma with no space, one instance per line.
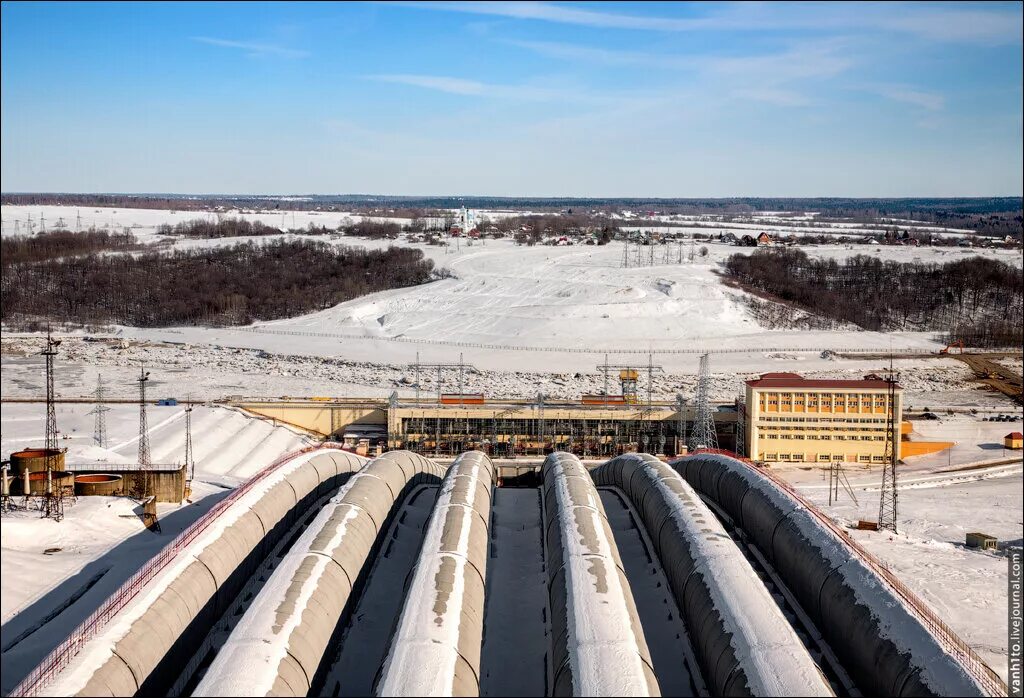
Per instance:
(976,300)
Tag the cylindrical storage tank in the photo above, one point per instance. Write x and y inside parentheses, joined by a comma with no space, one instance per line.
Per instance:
(99,484)
(37,482)
(36,460)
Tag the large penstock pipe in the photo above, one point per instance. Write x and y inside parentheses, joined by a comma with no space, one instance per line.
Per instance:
(144,643)
(743,642)
(278,645)
(598,646)
(436,649)
(876,633)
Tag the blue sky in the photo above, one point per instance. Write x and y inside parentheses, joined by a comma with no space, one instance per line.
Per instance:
(514,98)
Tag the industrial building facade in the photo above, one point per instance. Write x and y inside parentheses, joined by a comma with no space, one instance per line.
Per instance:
(797,420)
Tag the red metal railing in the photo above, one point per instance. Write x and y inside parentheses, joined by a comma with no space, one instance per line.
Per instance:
(62,655)
(946,636)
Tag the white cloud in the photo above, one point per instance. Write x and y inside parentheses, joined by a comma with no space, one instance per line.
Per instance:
(944,22)
(459,86)
(932,101)
(254,49)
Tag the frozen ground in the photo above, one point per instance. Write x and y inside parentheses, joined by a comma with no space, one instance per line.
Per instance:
(215,372)
(941,499)
(229,445)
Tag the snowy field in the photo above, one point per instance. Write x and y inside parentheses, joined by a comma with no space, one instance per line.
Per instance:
(942,497)
(536,309)
(217,372)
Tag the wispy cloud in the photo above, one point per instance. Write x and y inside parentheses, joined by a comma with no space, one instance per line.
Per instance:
(944,22)
(252,48)
(932,101)
(604,56)
(562,14)
(766,77)
(770,95)
(459,86)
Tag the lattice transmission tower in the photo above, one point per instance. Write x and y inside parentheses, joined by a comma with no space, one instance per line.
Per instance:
(703,433)
(99,411)
(143,486)
(888,501)
(53,502)
(190,462)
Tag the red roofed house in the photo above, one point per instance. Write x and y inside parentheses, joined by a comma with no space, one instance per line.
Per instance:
(794,419)
(1013,440)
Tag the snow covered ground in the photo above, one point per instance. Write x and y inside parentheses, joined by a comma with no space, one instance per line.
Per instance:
(941,499)
(216,372)
(536,309)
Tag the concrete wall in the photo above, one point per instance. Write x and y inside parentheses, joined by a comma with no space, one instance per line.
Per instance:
(324,418)
(442,621)
(146,645)
(597,646)
(883,646)
(743,642)
(280,641)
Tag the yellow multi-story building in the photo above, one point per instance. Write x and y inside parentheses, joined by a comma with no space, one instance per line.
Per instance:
(793,419)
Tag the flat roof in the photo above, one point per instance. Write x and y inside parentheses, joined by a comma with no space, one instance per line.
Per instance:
(798,382)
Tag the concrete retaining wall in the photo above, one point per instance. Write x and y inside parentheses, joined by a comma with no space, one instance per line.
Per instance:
(144,647)
(882,645)
(436,648)
(278,645)
(598,646)
(743,642)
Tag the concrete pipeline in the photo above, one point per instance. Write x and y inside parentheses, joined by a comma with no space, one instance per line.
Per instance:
(278,645)
(598,646)
(884,642)
(436,648)
(144,645)
(743,642)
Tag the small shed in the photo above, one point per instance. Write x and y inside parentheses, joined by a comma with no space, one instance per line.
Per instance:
(764,239)
(1014,440)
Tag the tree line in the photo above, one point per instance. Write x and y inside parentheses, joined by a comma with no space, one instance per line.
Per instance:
(977,300)
(19,249)
(229,285)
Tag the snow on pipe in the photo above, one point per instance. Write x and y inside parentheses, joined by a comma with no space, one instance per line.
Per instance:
(280,641)
(598,646)
(144,647)
(743,642)
(884,647)
(436,649)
